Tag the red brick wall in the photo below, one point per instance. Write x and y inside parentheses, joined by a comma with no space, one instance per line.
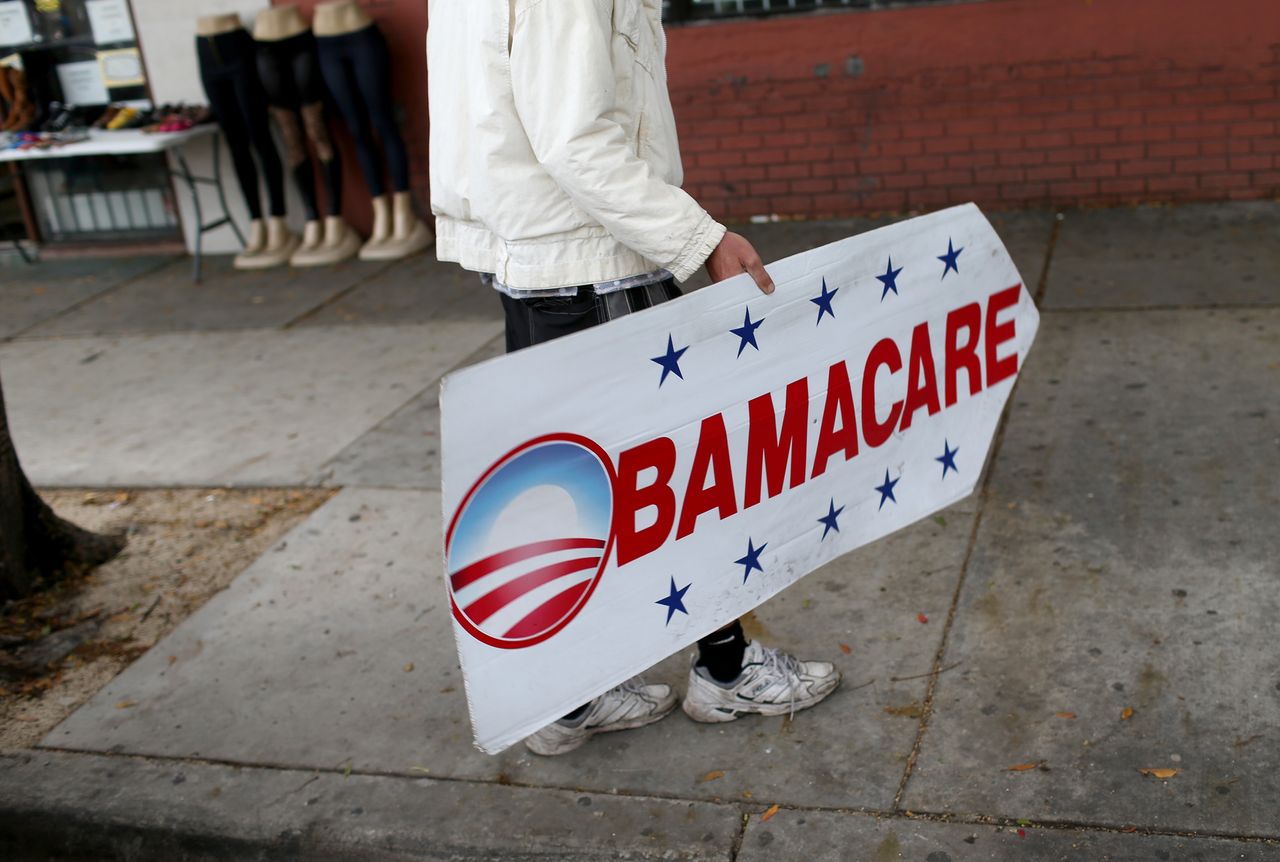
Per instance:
(1009,103)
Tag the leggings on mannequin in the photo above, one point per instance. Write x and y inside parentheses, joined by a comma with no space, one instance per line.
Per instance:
(229,73)
(291,78)
(357,69)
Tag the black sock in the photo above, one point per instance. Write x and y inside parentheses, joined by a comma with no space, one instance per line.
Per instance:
(721,652)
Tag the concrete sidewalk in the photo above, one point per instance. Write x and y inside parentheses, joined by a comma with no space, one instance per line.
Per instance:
(1120,555)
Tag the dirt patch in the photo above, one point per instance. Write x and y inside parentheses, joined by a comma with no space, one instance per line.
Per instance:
(59,647)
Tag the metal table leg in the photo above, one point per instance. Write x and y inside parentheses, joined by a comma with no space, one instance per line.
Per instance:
(192,180)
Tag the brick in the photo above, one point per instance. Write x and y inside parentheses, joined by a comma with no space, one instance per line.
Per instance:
(1200,166)
(813,186)
(770,187)
(1093,68)
(1226,77)
(1198,131)
(699,144)
(948,145)
(833,168)
(793,122)
(1222,147)
(1224,181)
(1173,148)
(792,204)
(769,156)
(949,178)
(884,201)
(1016,125)
(1068,121)
(1171,183)
(1001,175)
(900,148)
(1074,189)
(922,130)
(719,127)
(1025,192)
(1252,129)
(1118,118)
(1093,102)
(1172,116)
(1267,110)
(1070,156)
(741,142)
(1095,170)
(761,124)
(881,165)
(810,154)
(1135,186)
(927,198)
(1146,133)
(833,204)
(1049,172)
(1225,113)
(1047,140)
(1088,137)
(925,163)
(1251,193)
(1021,158)
(826,104)
(788,170)
(1121,152)
(971,160)
(1200,96)
(903,181)
(1265,145)
(720,159)
(987,143)
(1253,93)
(971,126)
(1172,80)
(1144,98)
(1145,167)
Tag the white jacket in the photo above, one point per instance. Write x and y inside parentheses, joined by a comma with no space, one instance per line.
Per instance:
(554,158)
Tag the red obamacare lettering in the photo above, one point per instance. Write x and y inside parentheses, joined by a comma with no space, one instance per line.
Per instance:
(776,453)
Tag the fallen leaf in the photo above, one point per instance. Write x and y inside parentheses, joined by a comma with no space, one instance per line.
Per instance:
(773,809)
(1126,713)
(408,668)
(922,618)
(1065,714)
(713,775)
(173,659)
(419,769)
(911,710)
(747,794)
(1130,829)
(1022,821)
(1022,833)
(125,704)
(846,649)
(1163,772)
(940,521)
(1022,767)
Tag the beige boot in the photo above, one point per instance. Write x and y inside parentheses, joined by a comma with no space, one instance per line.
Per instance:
(409,234)
(339,243)
(280,246)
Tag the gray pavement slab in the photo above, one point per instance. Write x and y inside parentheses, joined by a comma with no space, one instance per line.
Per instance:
(829,837)
(1152,256)
(336,650)
(33,293)
(167,300)
(418,290)
(238,408)
(63,806)
(403,451)
(1126,560)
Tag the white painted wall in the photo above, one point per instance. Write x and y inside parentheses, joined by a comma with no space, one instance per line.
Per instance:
(166,33)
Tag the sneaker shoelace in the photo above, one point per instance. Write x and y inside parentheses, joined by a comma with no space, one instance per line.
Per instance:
(776,661)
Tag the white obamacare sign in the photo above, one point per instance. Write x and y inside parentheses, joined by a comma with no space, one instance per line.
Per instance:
(613,496)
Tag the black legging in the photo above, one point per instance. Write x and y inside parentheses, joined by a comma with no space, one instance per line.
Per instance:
(357,68)
(291,78)
(230,77)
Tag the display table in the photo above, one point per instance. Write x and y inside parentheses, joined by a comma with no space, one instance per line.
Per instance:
(136,142)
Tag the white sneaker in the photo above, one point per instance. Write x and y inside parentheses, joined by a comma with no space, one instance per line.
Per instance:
(632,704)
(771,683)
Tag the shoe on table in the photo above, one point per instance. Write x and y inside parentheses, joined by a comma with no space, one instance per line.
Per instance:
(632,704)
(771,683)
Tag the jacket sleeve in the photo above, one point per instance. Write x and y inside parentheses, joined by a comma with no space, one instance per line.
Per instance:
(563,80)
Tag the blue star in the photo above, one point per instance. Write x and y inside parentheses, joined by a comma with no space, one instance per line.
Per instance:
(950,259)
(886,490)
(889,280)
(829,522)
(674,600)
(948,458)
(824,301)
(670,362)
(747,332)
(751,560)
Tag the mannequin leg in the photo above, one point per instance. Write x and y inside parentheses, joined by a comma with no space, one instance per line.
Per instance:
(253,108)
(373,76)
(337,241)
(340,77)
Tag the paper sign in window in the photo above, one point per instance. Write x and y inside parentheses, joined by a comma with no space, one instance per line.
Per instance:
(121,68)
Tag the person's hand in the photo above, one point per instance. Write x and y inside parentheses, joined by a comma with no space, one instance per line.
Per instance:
(736,255)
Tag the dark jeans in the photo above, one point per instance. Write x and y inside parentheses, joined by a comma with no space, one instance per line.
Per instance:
(229,72)
(357,68)
(533,321)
